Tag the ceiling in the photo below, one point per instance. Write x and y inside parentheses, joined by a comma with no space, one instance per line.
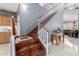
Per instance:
(12,7)
(71,13)
(71,5)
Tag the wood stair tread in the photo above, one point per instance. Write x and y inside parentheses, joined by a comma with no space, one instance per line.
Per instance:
(31,48)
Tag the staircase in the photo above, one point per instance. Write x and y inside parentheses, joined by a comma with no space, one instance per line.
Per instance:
(34,46)
(31,47)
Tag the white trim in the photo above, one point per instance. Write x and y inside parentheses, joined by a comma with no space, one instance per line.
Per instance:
(49,43)
(18,25)
(12,46)
(45,45)
(42,42)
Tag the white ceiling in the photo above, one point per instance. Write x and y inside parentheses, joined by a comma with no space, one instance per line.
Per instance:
(13,7)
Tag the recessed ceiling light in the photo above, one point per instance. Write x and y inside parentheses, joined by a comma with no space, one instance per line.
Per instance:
(12,16)
(24,6)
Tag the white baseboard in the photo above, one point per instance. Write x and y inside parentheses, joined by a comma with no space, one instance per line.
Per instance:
(49,43)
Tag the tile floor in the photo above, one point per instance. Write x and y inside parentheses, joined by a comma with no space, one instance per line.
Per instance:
(5,49)
(69,48)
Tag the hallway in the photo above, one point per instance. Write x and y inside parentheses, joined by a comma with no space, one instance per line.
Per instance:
(68,48)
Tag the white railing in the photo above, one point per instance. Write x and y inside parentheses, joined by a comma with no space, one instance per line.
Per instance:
(43,35)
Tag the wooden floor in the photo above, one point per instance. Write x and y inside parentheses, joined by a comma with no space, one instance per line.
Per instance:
(32,47)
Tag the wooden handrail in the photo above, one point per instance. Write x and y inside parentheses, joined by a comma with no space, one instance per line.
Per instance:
(46,29)
(45,16)
(13,27)
(45,21)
